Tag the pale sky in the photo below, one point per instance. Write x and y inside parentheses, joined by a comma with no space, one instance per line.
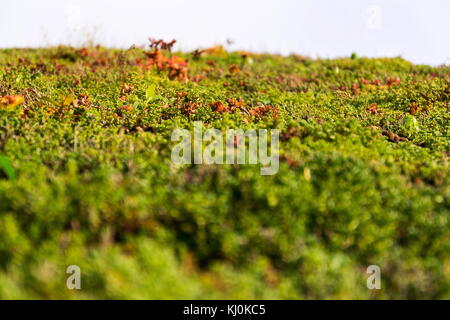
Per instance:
(418,30)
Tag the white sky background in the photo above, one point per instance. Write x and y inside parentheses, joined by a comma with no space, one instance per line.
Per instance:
(418,30)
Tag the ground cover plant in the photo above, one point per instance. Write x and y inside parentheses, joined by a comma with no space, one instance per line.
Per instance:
(86,177)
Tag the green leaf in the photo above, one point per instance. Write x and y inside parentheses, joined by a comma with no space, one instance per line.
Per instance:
(411,124)
(7,168)
(150,92)
(68,100)
(159,97)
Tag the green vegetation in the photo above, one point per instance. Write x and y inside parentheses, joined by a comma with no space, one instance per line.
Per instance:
(86,176)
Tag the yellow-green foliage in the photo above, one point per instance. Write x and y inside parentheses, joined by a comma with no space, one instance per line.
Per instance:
(86,178)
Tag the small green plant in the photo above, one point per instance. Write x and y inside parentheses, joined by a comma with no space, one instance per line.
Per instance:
(410,125)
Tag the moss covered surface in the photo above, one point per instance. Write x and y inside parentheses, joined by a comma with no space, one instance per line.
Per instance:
(363,177)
